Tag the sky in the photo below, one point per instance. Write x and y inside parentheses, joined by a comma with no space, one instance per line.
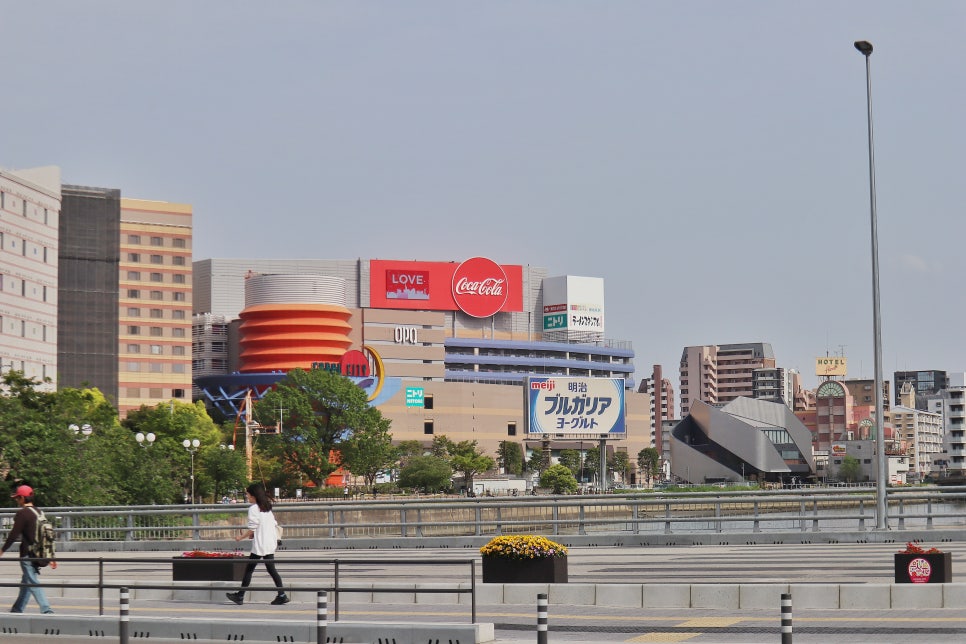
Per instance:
(708,159)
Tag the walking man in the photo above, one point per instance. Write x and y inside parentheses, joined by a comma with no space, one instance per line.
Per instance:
(25,529)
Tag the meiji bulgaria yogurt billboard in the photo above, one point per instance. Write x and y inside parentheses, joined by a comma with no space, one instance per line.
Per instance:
(591,406)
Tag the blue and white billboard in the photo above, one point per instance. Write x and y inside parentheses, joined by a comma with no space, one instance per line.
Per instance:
(592,406)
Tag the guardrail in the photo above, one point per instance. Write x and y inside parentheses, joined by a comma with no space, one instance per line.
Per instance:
(333,568)
(782,511)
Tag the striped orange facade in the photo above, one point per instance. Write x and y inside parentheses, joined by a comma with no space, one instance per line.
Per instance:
(281,337)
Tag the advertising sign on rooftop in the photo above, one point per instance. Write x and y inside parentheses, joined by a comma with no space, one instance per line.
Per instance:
(582,406)
(479,286)
(830,366)
(573,303)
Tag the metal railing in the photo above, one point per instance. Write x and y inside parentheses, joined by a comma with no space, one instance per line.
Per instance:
(783,511)
(333,569)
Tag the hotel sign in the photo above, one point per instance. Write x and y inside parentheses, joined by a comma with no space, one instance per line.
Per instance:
(830,366)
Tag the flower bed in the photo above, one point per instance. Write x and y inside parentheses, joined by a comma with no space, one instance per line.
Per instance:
(917,565)
(524,559)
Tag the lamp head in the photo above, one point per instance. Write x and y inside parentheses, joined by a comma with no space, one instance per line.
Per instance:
(864,46)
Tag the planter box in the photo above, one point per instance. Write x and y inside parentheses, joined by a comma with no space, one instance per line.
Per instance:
(204,569)
(924,569)
(499,570)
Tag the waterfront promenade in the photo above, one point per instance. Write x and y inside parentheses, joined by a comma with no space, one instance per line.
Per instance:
(615,594)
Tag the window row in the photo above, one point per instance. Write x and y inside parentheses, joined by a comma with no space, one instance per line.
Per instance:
(156,349)
(156,367)
(25,248)
(176,296)
(155,331)
(30,290)
(13,204)
(153,392)
(25,329)
(176,278)
(176,260)
(158,314)
(176,242)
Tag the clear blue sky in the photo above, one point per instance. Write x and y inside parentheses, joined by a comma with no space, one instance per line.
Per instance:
(708,159)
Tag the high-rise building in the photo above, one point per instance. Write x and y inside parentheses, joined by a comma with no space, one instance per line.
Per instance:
(30,205)
(88,307)
(155,303)
(662,408)
(862,392)
(951,403)
(922,432)
(125,303)
(721,373)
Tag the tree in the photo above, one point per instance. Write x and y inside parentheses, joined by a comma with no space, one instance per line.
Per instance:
(321,410)
(510,457)
(570,458)
(369,450)
(620,463)
(850,470)
(648,461)
(468,461)
(428,473)
(559,479)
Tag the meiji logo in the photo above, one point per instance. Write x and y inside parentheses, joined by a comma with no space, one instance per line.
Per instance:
(480,287)
(546,385)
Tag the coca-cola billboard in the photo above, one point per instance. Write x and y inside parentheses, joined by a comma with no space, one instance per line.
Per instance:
(478,286)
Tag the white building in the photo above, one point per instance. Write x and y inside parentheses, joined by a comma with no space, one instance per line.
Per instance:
(951,403)
(29,219)
(921,430)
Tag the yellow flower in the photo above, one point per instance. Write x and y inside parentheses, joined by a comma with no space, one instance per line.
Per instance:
(523,547)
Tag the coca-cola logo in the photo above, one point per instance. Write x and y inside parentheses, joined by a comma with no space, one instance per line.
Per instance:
(480,287)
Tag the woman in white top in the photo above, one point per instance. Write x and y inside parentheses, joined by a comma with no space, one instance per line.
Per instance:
(261,530)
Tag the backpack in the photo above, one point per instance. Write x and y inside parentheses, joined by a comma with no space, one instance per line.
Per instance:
(42,548)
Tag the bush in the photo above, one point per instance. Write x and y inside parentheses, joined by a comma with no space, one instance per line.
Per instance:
(559,479)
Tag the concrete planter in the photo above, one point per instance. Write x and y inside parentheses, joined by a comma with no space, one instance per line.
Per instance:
(936,568)
(204,569)
(500,570)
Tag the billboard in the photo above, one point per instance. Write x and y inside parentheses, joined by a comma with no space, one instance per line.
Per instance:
(478,286)
(829,366)
(586,406)
(572,303)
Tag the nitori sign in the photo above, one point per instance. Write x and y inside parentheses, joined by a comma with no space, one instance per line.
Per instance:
(480,287)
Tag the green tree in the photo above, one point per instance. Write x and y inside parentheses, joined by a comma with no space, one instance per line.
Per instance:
(648,462)
(468,461)
(850,470)
(427,473)
(226,468)
(592,462)
(620,464)
(321,410)
(570,458)
(559,479)
(510,457)
(369,450)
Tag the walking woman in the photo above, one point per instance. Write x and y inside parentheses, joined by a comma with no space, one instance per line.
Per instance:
(261,530)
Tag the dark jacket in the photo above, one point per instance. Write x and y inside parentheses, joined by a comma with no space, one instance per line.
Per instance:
(24,528)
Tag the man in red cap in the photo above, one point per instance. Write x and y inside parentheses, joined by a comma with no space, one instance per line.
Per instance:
(24,528)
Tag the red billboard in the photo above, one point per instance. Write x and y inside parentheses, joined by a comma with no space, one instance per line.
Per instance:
(479,286)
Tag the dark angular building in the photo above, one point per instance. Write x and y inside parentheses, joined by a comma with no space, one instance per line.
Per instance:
(926,383)
(87,342)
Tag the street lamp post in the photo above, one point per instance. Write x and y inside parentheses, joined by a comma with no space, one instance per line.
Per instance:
(145,440)
(82,432)
(192,447)
(882,519)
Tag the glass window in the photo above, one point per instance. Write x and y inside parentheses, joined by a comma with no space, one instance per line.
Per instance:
(156,349)
(157,277)
(428,427)
(177,332)
(179,242)
(157,295)
(157,313)
(134,330)
(157,241)
(177,351)
(134,312)
(133,392)
(177,367)
(134,257)
(178,260)
(157,331)
(177,278)
(177,393)
(157,259)
(134,348)
(178,296)
(134,239)
(133,293)
(177,314)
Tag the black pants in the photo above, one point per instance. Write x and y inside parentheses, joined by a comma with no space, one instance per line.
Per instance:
(269,565)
